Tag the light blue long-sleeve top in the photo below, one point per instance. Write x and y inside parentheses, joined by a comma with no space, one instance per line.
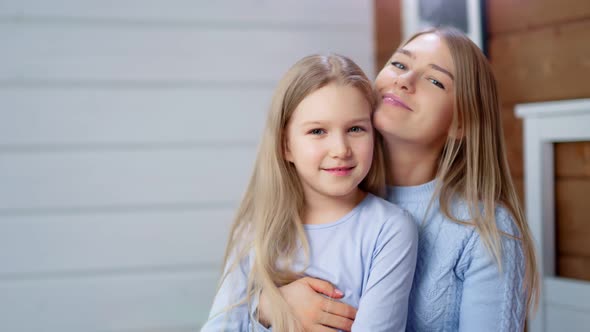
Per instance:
(457,285)
(369,254)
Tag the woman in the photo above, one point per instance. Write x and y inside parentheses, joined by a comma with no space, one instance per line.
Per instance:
(440,119)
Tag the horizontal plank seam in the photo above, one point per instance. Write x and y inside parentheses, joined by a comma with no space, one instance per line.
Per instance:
(117,272)
(183,23)
(572,177)
(568,254)
(147,84)
(117,209)
(537,27)
(7,149)
(168,328)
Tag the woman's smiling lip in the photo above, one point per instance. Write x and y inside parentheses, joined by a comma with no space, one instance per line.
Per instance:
(391,99)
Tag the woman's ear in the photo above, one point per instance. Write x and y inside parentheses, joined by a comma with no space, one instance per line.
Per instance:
(287,152)
(456,130)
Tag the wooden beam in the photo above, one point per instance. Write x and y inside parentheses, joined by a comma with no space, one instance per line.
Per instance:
(547,64)
(572,213)
(507,16)
(388,34)
(512,127)
(572,159)
(573,267)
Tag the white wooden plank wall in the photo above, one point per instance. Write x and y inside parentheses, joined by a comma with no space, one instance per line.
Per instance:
(128,130)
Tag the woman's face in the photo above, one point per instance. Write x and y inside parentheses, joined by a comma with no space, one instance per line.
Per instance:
(416,93)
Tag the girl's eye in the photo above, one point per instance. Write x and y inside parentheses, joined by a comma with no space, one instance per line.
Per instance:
(356,129)
(317,131)
(437,83)
(398,65)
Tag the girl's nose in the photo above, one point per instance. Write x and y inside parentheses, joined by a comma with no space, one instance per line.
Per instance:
(340,147)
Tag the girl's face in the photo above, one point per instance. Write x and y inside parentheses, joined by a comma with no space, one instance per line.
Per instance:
(416,93)
(330,141)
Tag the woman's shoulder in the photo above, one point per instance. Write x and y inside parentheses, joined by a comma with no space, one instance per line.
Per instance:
(503,216)
(505,220)
(475,247)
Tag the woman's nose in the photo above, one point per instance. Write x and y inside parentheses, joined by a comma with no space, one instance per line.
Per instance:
(405,82)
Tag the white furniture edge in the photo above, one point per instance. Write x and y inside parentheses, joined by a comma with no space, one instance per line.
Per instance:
(544,124)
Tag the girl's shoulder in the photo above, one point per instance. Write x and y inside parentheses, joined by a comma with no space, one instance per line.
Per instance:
(383,208)
(388,215)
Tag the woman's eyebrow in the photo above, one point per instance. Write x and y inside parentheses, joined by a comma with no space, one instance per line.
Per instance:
(406,52)
(441,69)
(432,65)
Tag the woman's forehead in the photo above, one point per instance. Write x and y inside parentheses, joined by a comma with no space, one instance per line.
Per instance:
(430,47)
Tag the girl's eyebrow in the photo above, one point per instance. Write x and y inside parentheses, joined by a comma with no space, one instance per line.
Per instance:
(359,120)
(362,119)
(432,65)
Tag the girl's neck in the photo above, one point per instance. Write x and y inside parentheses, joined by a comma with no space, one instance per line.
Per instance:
(321,209)
(411,164)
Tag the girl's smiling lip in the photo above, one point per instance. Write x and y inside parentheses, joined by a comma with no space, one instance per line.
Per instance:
(339,171)
(391,99)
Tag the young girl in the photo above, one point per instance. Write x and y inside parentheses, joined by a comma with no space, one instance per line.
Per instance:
(312,208)
(439,115)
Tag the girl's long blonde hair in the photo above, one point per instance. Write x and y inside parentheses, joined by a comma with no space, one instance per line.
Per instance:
(473,164)
(267,228)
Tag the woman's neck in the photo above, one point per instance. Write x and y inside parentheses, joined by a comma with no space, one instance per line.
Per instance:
(320,209)
(411,165)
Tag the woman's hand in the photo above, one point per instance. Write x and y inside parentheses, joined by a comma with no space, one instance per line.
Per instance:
(314,311)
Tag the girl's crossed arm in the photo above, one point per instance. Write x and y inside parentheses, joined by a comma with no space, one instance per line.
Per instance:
(384,302)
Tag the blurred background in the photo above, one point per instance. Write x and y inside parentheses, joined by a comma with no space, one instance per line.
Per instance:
(128,130)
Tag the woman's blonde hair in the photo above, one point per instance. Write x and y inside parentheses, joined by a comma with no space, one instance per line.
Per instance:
(473,164)
(267,228)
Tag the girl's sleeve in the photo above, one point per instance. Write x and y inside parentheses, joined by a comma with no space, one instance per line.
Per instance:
(230,308)
(493,299)
(384,303)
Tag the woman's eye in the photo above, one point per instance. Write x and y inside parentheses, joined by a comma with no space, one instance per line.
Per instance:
(356,129)
(398,65)
(437,83)
(316,131)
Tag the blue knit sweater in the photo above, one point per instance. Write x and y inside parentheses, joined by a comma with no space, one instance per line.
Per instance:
(457,285)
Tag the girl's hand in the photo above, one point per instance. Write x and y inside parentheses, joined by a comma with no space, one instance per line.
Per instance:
(314,311)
